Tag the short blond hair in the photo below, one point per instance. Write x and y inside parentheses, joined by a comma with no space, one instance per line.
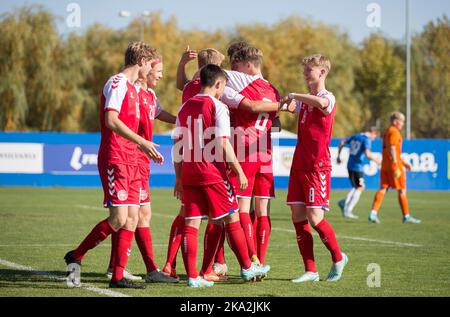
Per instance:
(248,54)
(396,115)
(317,60)
(209,56)
(138,50)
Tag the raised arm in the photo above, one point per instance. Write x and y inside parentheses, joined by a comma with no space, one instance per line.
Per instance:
(188,55)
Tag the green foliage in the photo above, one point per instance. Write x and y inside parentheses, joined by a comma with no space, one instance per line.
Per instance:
(431,81)
(51,82)
(380,79)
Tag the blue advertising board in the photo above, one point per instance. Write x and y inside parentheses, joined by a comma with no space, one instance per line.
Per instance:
(70,159)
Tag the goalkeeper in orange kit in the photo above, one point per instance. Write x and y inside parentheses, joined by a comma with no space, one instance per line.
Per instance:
(393,170)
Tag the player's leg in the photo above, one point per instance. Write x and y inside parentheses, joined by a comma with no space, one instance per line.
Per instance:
(112,256)
(247,226)
(195,208)
(144,197)
(250,271)
(400,185)
(317,202)
(223,206)
(254,220)
(175,236)
(296,200)
(127,232)
(262,209)
(343,203)
(100,232)
(385,183)
(325,230)
(305,243)
(220,265)
(358,181)
(144,241)
(114,180)
(124,244)
(213,236)
(264,192)
(244,200)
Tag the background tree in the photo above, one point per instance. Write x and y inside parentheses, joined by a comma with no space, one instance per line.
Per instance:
(53,83)
(430,96)
(380,79)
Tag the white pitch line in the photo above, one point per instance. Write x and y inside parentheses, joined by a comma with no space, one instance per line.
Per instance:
(84,286)
(403,244)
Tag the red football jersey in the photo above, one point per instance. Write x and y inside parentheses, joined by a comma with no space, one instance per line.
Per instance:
(257,125)
(149,110)
(200,120)
(312,152)
(119,95)
(191,89)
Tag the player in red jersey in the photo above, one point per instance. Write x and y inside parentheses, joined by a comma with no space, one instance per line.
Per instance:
(118,165)
(201,152)
(233,98)
(150,109)
(252,126)
(190,88)
(309,180)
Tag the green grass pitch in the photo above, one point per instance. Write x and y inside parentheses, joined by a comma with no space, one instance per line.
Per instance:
(39,225)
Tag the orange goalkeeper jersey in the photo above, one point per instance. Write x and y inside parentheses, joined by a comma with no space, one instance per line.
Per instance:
(392,136)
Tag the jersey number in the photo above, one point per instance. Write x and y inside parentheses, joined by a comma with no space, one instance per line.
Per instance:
(354,147)
(263,118)
(261,122)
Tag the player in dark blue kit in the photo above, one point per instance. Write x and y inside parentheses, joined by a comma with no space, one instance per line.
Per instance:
(360,145)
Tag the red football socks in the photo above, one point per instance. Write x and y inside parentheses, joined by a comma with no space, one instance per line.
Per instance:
(99,233)
(176,233)
(236,239)
(305,244)
(189,250)
(247,226)
(220,254)
(144,242)
(255,229)
(124,241)
(113,256)
(328,238)
(263,234)
(213,235)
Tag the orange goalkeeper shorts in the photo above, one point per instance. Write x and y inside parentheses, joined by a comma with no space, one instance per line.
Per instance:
(388,180)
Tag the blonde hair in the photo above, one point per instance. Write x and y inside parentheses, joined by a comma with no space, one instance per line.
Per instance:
(138,50)
(209,56)
(248,54)
(317,60)
(396,115)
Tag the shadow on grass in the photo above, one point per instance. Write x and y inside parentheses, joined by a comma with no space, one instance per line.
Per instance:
(19,276)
